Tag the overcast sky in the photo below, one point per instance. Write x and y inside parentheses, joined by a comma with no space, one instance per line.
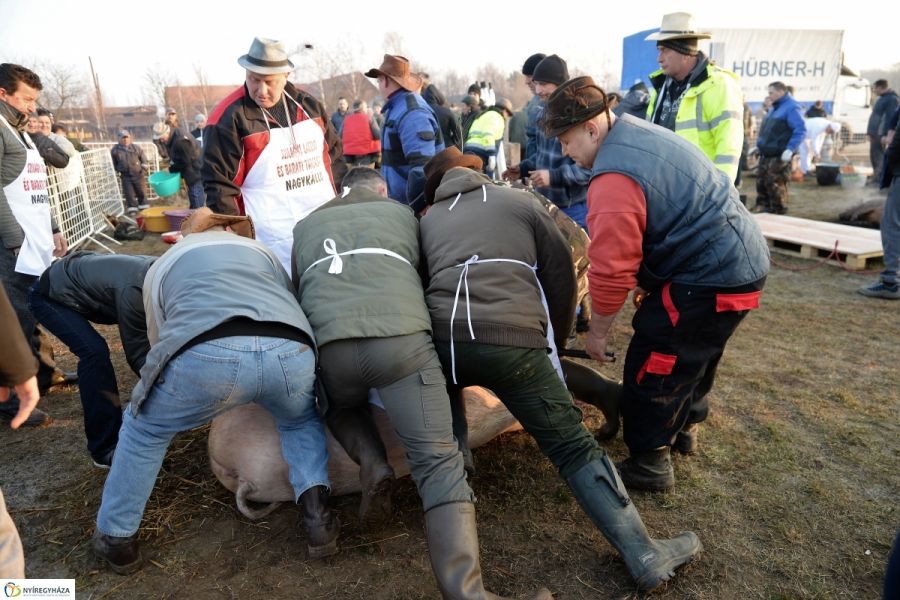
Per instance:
(125,38)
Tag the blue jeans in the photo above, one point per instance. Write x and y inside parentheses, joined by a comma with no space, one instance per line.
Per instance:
(890,234)
(196,195)
(204,381)
(96,376)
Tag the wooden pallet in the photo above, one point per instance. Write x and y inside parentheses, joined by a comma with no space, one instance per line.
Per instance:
(814,239)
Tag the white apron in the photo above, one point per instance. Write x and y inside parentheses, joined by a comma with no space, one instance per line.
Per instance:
(288,181)
(29,201)
(464,281)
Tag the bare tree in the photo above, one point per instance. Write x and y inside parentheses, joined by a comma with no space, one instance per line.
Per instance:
(156,79)
(65,86)
(393,43)
(202,88)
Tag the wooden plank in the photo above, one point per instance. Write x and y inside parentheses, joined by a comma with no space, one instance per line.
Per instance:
(816,239)
(806,232)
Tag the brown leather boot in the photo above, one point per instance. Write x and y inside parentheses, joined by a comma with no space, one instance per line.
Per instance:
(122,554)
(651,471)
(322,527)
(686,440)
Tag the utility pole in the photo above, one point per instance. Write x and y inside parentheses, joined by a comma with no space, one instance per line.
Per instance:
(101,112)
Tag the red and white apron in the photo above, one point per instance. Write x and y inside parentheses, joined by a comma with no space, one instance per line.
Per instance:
(29,200)
(287,182)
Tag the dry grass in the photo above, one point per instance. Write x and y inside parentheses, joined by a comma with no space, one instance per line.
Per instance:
(794,492)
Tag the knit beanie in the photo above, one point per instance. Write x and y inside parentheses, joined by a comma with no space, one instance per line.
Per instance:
(531,62)
(686,46)
(551,70)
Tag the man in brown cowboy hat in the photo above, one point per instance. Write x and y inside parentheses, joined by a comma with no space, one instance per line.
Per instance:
(270,151)
(664,218)
(411,134)
(225,329)
(693,97)
(501,287)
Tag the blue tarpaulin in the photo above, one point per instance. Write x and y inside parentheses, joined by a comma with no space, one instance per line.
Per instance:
(638,58)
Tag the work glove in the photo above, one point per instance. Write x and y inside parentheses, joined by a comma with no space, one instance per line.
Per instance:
(786,155)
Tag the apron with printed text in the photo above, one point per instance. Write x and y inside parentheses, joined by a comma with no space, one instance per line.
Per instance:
(288,181)
(29,200)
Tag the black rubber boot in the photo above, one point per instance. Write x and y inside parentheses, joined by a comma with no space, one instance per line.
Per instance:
(122,554)
(355,430)
(591,387)
(322,527)
(453,548)
(686,440)
(651,471)
(600,492)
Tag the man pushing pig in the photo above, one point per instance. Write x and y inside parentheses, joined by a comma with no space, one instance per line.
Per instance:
(355,263)
(225,329)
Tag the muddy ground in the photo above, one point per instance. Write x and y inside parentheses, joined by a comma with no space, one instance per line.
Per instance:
(794,491)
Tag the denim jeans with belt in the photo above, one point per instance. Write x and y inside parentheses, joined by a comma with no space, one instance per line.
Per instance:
(197,385)
(96,375)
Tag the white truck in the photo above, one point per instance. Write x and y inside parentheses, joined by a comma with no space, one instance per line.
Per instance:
(809,60)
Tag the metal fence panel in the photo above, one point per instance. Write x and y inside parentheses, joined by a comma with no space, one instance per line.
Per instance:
(151,153)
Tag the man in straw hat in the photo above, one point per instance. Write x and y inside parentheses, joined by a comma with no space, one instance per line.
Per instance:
(411,134)
(225,329)
(501,292)
(663,218)
(691,96)
(270,151)
(364,298)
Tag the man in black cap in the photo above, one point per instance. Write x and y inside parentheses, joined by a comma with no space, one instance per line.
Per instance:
(693,97)
(553,175)
(533,108)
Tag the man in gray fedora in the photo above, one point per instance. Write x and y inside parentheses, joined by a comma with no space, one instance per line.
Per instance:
(270,151)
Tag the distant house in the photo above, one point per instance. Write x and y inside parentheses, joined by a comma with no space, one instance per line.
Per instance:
(82,122)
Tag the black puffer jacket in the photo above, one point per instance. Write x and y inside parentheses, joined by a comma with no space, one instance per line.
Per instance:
(52,154)
(107,289)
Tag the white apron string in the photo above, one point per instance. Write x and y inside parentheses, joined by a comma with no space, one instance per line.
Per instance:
(337,264)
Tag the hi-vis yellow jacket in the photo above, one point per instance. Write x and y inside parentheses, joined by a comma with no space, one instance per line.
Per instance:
(710,115)
(486,130)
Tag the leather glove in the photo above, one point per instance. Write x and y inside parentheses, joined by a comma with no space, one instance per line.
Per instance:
(786,155)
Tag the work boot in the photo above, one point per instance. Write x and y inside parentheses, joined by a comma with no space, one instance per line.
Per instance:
(122,554)
(651,471)
(453,548)
(601,495)
(10,408)
(590,387)
(63,378)
(686,440)
(355,430)
(322,527)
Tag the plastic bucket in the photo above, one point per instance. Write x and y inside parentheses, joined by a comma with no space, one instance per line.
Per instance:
(165,184)
(827,173)
(176,217)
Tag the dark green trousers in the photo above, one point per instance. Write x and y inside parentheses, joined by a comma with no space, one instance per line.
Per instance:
(526,382)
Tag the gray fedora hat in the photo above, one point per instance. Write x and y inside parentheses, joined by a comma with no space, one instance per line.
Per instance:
(266,57)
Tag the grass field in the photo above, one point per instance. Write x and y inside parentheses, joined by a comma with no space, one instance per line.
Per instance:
(794,492)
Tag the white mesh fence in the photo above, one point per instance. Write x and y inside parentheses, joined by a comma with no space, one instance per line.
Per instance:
(151,153)
(87,191)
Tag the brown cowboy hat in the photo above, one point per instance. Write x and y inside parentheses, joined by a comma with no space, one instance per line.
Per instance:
(203,218)
(572,103)
(397,69)
(442,162)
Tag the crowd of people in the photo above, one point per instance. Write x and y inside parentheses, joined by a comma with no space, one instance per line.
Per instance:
(333,258)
